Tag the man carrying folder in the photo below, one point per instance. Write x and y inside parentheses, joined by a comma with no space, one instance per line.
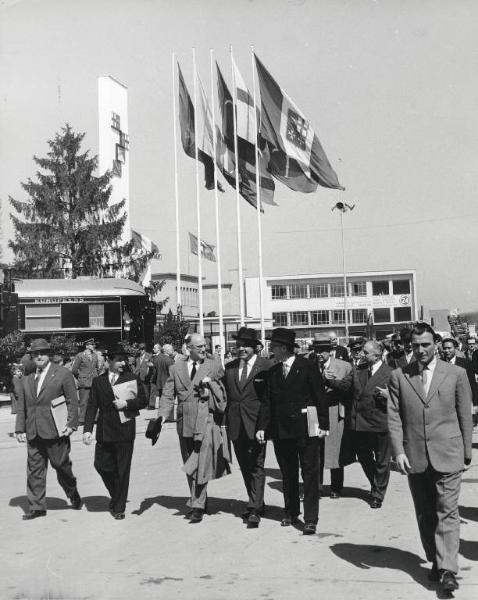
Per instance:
(118,396)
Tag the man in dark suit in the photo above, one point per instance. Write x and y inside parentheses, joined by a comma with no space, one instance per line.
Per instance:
(244,380)
(356,346)
(36,426)
(430,425)
(160,371)
(143,369)
(85,368)
(449,347)
(337,351)
(366,421)
(116,427)
(293,390)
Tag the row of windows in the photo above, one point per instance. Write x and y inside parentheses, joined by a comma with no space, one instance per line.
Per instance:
(189,296)
(44,317)
(336,290)
(357,316)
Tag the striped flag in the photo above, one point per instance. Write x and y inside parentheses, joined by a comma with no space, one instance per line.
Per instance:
(143,243)
(207,250)
(297,158)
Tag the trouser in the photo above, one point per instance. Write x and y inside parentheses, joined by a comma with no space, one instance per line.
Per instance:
(147,390)
(374,454)
(290,453)
(113,463)
(435,496)
(83,395)
(251,456)
(153,394)
(198,492)
(39,452)
(336,475)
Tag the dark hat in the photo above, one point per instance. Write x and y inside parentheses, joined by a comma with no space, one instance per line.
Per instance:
(322,340)
(247,335)
(356,343)
(117,350)
(153,430)
(39,345)
(142,346)
(90,341)
(281,335)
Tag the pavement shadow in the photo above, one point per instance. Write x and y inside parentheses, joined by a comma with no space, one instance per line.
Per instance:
(273,473)
(363,556)
(469,512)
(469,549)
(97,503)
(467,480)
(51,503)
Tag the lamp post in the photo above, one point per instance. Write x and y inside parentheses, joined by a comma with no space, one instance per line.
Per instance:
(342,207)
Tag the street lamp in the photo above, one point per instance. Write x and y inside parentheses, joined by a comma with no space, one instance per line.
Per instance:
(343,207)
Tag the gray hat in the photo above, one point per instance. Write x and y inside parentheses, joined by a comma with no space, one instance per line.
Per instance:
(39,345)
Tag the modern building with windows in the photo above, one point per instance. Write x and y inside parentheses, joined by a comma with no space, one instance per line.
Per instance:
(382,300)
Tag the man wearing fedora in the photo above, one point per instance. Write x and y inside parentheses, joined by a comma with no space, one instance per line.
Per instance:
(356,346)
(36,426)
(293,389)
(337,351)
(85,368)
(244,380)
(337,377)
(116,427)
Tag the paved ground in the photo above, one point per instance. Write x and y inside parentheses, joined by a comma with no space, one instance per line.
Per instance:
(155,553)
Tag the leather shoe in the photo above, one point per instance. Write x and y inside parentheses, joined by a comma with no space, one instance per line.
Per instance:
(117,515)
(448,581)
(334,495)
(33,514)
(76,501)
(309,529)
(288,521)
(376,503)
(434,574)
(253,520)
(196,515)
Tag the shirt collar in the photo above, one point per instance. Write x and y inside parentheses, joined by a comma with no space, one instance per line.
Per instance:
(432,364)
(289,361)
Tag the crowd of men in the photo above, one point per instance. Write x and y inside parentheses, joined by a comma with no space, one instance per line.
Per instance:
(411,402)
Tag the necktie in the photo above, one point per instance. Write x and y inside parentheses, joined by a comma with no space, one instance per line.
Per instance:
(113,378)
(37,380)
(193,371)
(370,372)
(243,380)
(285,370)
(425,380)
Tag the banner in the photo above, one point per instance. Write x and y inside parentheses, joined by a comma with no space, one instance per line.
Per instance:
(207,250)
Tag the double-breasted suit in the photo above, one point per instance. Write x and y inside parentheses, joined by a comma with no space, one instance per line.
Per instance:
(34,417)
(366,428)
(434,431)
(114,439)
(283,417)
(243,405)
(85,369)
(180,385)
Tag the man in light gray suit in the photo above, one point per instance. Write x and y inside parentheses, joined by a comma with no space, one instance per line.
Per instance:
(430,425)
(196,381)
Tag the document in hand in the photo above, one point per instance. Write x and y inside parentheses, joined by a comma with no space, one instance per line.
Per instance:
(125,391)
(312,421)
(59,411)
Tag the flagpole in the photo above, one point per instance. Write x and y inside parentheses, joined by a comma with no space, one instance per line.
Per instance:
(216,208)
(198,211)
(176,186)
(258,201)
(238,200)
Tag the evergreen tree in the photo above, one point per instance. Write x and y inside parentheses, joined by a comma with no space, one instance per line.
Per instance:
(173,329)
(67,227)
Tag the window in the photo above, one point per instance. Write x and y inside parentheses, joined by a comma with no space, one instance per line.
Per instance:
(319,317)
(401,286)
(338,317)
(319,290)
(279,319)
(380,288)
(74,315)
(359,315)
(96,315)
(117,171)
(279,292)
(112,312)
(337,290)
(297,290)
(40,317)
(120,154)
(358,288)
(299,318)
(403,313)
(124,140)
(115,121)
(381,315)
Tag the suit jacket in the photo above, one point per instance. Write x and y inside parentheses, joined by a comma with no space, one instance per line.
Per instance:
(338,389)
(160,374)
(366,411)
(142,368)
(179,384)
(34,412)
(109,427)
(439,425)
(281,415)
(466,364)
(243,403)
(85,369)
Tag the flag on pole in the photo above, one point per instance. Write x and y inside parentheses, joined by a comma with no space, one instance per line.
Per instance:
(207,250)
(246,137)
(189,127)
(297,158)
(141,242)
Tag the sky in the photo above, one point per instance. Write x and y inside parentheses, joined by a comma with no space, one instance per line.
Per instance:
(389,86)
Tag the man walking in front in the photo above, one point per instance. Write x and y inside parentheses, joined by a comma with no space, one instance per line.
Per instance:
(293,390)
(244,380)
(430,425)
(36,426)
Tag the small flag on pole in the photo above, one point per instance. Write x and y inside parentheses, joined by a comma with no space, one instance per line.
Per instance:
(297,158)
(207,250)
(141,242)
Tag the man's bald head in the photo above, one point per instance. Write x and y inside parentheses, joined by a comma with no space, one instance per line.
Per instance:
(372,351)
(197,347)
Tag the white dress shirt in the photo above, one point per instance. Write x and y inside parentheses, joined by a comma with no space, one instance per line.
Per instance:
(287,364)
(40,377)
(430,369)
(375,367)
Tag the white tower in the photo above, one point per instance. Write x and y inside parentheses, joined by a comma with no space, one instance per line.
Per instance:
(114,141)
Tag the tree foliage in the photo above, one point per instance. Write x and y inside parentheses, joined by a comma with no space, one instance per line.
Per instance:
(173,329)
